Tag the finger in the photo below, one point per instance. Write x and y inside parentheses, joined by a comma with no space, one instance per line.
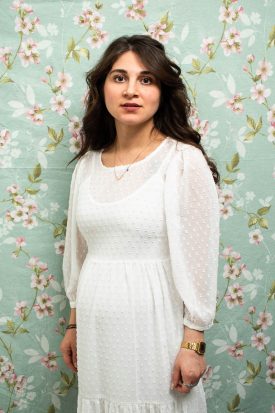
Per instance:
(67,357)
(74,357)
(175,377)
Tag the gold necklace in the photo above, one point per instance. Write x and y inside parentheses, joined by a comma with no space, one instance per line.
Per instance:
(128,166)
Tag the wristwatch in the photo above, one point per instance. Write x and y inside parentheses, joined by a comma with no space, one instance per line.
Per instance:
(198,347)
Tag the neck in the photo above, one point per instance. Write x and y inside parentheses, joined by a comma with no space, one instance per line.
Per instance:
(133,137)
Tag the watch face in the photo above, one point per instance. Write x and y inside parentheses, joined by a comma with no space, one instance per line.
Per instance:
(202,347)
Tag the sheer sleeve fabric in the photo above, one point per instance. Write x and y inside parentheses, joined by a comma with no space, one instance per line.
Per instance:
(75,245)
(192,215)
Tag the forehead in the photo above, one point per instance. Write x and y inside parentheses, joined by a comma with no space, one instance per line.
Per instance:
(129,61)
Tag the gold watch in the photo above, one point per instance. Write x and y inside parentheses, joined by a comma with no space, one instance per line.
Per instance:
(198,347)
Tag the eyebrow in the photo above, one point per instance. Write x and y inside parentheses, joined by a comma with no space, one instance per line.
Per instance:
(143,72)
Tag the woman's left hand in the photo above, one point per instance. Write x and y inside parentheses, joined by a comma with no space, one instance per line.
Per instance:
(188,368)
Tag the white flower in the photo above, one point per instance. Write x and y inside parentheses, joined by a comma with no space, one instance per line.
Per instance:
(258,274)
(271,134)
(52,29)
(259,341)
(259,93)
(255,18)
(64,81)
(255,237)
(271,114)
(250,195)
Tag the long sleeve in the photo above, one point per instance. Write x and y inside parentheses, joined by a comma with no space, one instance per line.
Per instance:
(192,215)
(75,245)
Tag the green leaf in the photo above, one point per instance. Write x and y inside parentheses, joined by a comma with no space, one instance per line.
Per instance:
(258,369)
(259,125)
(271,37)
(249,379)
(231,407)
(31,178)
(263,222)
(235,160)
(65,378)
(263,210)
(85,52)
(192,72)
(6,79)
(196,64)
(60,135)
(32,191)
(52,134)
(71,45)
(252,221)
(249,136)
(37,171)
(169,26)
(229,181)
(250,367)
(58,231)
(250,122)
(208,69)
(271,295)
(51,409)
(51,147)
(23,330)
(76,56)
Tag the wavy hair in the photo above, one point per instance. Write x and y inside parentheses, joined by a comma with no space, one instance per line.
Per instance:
(172,117)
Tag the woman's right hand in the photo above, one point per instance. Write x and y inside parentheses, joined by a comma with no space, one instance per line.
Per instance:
(68,349)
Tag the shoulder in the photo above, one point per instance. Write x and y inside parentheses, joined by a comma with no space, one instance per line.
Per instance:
(83,164)
(188,155)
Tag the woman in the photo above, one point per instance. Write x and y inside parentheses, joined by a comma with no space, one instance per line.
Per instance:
(141,249)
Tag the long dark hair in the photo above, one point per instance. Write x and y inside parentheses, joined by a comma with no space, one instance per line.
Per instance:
(172,117)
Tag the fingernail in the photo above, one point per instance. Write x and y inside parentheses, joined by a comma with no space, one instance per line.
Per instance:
(172,386)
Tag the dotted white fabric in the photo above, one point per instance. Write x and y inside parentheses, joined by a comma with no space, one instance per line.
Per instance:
(135,251)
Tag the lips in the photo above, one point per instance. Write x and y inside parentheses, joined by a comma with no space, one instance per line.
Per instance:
(131,105)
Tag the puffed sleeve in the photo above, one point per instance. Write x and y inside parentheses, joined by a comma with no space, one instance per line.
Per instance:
(192,215)
(75,245)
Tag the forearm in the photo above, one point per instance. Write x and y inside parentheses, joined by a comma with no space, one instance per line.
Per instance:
(72,319)
(192,335)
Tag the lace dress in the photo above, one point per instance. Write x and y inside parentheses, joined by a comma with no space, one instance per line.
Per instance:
(136,250)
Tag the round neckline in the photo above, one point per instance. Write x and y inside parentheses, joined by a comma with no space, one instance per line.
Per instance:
(150,155)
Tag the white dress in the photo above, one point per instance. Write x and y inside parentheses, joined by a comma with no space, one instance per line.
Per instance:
(137,249)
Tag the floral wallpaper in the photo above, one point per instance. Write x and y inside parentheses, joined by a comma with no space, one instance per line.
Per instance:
(226,51)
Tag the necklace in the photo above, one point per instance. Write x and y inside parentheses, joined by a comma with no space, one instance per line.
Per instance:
(128,166)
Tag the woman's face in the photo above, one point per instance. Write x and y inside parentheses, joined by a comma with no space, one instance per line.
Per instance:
(131,92)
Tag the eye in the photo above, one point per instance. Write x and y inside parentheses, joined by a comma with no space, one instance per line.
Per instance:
(147,80)
(119,78)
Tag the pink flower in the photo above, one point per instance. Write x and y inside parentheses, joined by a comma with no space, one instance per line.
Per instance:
(271,114)
(13,189)
(31,206)
(97,39)
(20,242)
(20,384)
(228,253)
(259,93)
(250,58)
(252,309)
(201,126)
(19,214)
(136,10)
(62,321)
(235,104)
(207,46)
(264,70)
(234,296)
(39,282)
(32,262)
(74,124)
(64,81)
(23,25)
(271,134)
(259,341)
(159,32)
(28,53)
(226,211)
(59,104)
(19,200)
(49,69)
(5,53)
(30,222)
(255,237)
(270,360)
(75,143)
(5,137)
(231,271)
(35,114)
(226,196)
(96,20)
(229,15)
(43,306)
(231,42)
(20,309)
(236,350)
(49,361)
(264,320)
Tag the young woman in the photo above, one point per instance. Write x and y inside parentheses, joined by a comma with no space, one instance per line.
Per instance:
(141,251)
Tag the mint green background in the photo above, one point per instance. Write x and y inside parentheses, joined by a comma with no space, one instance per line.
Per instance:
(50,391)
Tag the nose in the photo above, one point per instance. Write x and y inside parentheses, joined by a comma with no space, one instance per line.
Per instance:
(130,90)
